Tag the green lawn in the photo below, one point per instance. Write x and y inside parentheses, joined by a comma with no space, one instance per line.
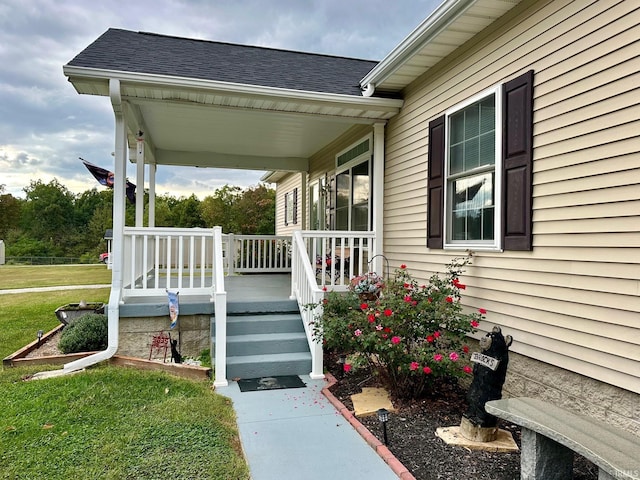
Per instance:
(27,276)
(116,423)
(107,422)
(22,315)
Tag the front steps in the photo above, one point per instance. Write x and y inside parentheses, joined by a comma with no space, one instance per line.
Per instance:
(265,345)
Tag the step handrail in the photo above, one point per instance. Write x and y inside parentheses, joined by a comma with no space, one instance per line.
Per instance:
(304,288)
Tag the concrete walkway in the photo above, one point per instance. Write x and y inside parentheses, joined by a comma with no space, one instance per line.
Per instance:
(52,289)
(298,434)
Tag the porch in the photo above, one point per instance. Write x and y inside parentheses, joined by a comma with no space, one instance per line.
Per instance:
(251,299)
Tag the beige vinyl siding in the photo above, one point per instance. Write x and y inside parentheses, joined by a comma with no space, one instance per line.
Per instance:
(284,186)
(574,301)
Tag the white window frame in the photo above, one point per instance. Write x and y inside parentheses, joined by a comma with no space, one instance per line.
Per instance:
(365,156)
(496,243)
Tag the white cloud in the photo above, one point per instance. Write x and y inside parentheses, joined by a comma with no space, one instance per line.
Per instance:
(45,125)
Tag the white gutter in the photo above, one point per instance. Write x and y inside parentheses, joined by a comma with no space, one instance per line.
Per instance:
(118,236)
(434,24)
(385,104)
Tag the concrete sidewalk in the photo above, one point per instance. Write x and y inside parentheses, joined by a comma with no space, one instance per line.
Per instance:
(298,434)
(52,289)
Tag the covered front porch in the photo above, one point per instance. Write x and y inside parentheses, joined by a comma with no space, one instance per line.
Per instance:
(169,114)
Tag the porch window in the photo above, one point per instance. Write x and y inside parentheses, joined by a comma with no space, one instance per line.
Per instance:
(353,188)
(480,171)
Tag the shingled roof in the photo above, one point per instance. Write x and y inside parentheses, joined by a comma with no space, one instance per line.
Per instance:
(149,53)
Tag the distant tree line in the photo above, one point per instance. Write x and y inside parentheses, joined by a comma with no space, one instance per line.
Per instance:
(53,222)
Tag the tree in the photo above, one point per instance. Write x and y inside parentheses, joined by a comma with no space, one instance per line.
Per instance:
(256,211)
(48,214)
(218,210)
(9,213)
(187,213)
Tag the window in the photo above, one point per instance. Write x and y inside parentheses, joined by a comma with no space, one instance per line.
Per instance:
(480,171)
(353,188)
(291,207)
(472,170)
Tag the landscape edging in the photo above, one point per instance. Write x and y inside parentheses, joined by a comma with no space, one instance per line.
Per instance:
(382,450)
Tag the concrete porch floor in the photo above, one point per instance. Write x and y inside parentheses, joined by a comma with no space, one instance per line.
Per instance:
(244,292)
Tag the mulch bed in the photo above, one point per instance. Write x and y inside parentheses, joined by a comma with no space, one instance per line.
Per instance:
(412,439)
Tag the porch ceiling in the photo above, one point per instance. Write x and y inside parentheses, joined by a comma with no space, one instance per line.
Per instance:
(191,122)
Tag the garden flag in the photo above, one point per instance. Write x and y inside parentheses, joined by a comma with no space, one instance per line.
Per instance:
(173,308)
(105,177)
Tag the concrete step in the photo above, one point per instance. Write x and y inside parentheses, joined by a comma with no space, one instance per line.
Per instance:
(260,344)
(257,324)
(255,366)
(261,306)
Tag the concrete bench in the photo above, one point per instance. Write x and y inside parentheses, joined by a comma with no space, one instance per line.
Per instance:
(551,434)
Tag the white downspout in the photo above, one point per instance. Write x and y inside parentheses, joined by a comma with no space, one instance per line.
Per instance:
(378,195)
(119,189)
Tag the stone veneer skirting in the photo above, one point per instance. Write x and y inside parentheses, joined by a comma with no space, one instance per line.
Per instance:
(136,334)
(527,377)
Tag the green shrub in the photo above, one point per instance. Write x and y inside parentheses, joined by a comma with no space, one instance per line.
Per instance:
(411,335)
(87,333)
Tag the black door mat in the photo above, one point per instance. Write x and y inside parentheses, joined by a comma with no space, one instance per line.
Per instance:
(270,383)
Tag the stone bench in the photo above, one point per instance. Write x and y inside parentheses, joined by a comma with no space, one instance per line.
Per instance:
(551,434)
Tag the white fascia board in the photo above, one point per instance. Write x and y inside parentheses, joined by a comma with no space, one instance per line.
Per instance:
(435,23)
(387,104)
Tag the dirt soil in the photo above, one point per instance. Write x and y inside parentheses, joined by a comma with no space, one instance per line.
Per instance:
(413,441)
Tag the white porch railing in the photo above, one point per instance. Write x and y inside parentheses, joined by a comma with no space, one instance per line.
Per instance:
(338,256)
(163,258)
(309,296)
(325,260)
(220,312)
(257,253)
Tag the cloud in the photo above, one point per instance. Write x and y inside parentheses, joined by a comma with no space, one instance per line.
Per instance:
(45,125)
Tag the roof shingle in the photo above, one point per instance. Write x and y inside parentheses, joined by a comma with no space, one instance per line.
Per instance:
(149,53)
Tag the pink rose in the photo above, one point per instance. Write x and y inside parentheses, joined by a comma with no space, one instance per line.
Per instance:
(395,340)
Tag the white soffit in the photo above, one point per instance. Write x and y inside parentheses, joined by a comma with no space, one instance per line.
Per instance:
(452,24)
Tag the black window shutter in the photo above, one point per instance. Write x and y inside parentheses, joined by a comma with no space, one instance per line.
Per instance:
(517,162)
(435,183)
(295,206)
(286,208)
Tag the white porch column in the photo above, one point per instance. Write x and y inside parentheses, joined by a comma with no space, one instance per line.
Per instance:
(378,194)
(140,180)
(152,194)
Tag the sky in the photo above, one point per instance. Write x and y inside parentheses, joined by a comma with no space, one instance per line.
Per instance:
(45,126)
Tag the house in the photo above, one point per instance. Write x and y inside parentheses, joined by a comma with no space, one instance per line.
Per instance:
(504,128)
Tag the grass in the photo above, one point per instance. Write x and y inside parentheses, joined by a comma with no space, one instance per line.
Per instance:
(107,422)
(116,423)
(28,276)
(23,314)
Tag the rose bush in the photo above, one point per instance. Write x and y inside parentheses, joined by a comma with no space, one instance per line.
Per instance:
(410,336)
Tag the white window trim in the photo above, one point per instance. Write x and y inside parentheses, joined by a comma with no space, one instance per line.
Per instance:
(359,159)
(496,244)
(365,156)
